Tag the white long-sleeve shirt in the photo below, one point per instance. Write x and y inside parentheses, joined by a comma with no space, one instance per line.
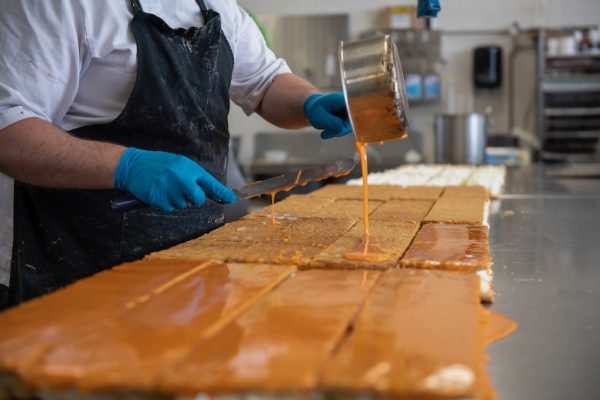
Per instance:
(73,62)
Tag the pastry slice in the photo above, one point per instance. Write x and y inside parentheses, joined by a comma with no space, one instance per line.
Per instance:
(453,247)
(348,209)
(128,348)
(472,211)
(393,238)
(402,211)
(419,335)
(417,193)
(449,246)
(280,344)
(297,243)
(465,192)
(294,206)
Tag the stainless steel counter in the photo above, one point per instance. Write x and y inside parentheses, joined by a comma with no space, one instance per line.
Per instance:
(545,240)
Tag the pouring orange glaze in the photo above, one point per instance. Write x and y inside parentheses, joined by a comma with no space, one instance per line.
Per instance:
(273,207)
(285,189)
(369,249)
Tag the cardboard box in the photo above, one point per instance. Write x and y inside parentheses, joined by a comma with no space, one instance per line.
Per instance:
(400,17)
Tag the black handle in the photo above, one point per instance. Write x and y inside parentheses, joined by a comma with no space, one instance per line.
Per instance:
(129,202)
(126,203)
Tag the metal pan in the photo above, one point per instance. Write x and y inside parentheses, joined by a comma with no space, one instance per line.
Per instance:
(374,89)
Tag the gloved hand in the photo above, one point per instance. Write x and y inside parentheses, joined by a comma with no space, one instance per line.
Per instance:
(166,180)
(328,112)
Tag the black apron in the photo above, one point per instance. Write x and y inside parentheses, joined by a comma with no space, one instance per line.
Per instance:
(179,104)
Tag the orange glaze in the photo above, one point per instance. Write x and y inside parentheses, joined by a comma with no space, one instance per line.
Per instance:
(497,326)
(127,343)
(28,330)
(449,246)
(420,334)
(281,343)
(284,189)
(273,207)
(369,249)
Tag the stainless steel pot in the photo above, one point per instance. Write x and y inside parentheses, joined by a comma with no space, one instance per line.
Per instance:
(374,89)
(460,138)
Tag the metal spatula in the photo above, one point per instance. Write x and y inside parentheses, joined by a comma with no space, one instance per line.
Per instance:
(277,184)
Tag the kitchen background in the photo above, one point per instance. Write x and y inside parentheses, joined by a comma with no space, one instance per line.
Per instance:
(462,26)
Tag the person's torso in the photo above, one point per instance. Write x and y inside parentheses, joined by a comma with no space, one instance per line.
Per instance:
(110,59)
(179,103)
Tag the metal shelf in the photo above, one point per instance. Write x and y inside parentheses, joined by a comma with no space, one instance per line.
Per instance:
(573,56)
(571,112)
(567,98)
(575,84)
(572,134)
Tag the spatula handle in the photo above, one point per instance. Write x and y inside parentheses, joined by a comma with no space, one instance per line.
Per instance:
(129,202)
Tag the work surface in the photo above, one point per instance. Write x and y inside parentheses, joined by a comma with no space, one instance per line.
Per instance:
(546,248)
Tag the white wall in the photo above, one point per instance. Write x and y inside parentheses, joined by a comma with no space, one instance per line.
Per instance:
(463,23)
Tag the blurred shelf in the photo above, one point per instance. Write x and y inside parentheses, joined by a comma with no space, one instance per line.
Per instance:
(571,84)
(572,56)
(573,134)
(571,112)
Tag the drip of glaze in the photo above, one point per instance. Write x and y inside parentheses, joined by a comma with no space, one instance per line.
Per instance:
(273,207)
(369,249)
(284,189)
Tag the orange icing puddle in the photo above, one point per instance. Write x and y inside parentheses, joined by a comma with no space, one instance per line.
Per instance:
(369,249)
(497,326)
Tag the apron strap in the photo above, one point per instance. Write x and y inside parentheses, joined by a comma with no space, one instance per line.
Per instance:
(202,5)
(136,6)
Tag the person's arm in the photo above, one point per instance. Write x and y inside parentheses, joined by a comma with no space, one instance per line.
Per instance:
(283,102)
(291,102)
(263,83)
(39,153)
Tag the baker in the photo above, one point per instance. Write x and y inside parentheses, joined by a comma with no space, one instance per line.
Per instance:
(101,98)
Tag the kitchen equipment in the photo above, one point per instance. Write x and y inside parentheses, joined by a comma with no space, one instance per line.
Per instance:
(487,67)
(567,97)
(460,138)
(305,149)
(374,89)
(284,182)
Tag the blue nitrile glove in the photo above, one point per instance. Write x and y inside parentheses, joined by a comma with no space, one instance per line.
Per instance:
(328,112)
(428,8)
(166,180)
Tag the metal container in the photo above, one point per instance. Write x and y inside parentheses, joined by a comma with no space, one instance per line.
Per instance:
(460,138)
(374,89)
